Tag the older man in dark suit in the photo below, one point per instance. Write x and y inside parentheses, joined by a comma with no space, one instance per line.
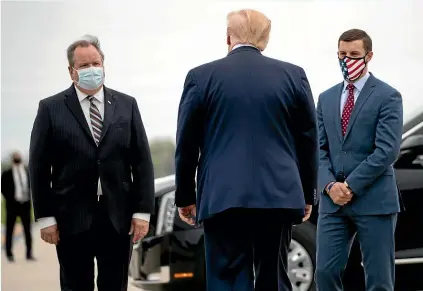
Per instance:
(91,174)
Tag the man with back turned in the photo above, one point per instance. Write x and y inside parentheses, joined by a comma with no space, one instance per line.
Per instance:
(247,125)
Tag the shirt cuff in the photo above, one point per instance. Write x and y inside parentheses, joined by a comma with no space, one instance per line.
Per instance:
(142,216)
(46,222)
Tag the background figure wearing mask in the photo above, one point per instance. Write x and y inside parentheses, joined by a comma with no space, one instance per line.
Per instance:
(248,123)
(16,191)
(91,174)
(360,127)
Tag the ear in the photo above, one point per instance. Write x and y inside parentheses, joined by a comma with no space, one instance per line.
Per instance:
(228,40)
(70,71)
(369,56)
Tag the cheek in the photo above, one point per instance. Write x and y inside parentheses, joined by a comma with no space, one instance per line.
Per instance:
(74,76)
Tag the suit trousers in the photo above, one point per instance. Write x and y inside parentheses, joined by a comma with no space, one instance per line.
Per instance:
(247,249)
(376,235)
(14,210)
(111,250)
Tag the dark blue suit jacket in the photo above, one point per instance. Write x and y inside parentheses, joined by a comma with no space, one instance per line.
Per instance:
(247,124)
(367,152)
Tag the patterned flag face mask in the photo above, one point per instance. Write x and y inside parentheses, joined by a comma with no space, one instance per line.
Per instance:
(352,68)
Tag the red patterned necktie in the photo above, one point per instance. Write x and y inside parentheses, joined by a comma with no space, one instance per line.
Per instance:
(348,108)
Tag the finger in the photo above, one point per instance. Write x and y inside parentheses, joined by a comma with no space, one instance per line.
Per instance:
(131,230)
(49,239)
(137,234)
(54,239)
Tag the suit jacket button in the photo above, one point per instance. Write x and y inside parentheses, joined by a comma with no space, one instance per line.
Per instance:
(344,152)
(98,162)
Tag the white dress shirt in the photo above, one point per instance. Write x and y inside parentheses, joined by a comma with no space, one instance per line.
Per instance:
(358,87)
(242,44)
(21,183)
(85,105)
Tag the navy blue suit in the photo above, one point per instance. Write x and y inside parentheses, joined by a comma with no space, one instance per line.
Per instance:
(247,124)
(364,157)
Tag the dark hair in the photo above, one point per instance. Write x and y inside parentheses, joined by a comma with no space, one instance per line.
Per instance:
(357,34)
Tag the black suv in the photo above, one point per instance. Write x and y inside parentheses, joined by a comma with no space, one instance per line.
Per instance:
(171,257)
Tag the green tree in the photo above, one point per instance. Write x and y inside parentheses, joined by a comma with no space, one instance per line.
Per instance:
(163,155)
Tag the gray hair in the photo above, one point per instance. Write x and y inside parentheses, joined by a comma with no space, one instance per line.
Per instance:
(84,41)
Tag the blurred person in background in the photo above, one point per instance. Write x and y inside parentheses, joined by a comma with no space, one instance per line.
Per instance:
(15,188)
(360,127)
(91,174)
(247,125)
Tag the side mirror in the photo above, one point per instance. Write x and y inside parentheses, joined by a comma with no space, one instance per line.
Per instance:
(414,143)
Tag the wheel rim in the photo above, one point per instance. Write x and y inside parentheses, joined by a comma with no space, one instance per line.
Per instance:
(300,267)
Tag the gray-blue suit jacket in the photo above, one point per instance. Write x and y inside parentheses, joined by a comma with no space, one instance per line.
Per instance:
(366,154)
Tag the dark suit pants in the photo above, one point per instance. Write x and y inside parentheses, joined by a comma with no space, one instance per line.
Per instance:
(375,233)
(13,210)
(243,243)
(111,250)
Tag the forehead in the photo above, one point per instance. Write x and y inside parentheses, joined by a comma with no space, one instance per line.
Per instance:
(86,54)
(355,45)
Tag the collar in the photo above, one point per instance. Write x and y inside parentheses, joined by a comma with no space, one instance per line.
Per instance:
(359,84)
(241,45)
(99,95)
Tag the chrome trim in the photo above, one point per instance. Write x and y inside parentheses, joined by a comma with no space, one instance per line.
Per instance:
(409,261)
(161,277)
(412,130)
(161,216)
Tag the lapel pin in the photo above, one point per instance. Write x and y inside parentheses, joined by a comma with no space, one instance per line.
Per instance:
(109,101)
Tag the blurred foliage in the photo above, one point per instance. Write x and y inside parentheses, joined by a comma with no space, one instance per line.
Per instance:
(163,155)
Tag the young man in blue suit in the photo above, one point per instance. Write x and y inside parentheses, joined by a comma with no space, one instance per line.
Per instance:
(360,126)
(253,120)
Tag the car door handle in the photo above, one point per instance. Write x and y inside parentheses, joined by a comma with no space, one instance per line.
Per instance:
(418,160)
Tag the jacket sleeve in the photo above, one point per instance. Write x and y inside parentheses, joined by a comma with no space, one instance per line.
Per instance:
(187,142)
(40,164)
(142,166)
(306,140)
(325,165)
(387,145)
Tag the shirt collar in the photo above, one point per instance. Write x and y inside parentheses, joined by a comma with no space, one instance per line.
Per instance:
(242,44)
(359,84)
(99,95)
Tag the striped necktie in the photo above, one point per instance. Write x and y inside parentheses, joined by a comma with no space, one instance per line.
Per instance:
(96,120)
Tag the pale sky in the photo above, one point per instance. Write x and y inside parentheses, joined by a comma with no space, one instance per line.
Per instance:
(151,45)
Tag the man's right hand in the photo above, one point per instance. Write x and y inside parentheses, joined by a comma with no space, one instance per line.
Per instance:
(340,194)
(50,234)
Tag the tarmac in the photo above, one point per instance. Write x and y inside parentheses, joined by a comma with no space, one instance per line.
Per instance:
(41,275)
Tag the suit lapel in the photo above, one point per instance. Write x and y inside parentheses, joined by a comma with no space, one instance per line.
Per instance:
(337,110)
(109,108)
(72,101)
(361,99)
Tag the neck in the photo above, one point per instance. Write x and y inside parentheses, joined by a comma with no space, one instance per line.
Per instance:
(89,92)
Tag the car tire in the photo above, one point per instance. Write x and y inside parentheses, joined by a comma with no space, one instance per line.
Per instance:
(305,235)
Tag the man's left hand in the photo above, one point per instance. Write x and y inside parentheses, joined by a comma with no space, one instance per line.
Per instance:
(307,211)
(139,228)
(188,214)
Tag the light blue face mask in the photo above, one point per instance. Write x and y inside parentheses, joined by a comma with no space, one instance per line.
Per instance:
(90,78)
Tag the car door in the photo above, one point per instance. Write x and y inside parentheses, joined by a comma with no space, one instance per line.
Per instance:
(409,173)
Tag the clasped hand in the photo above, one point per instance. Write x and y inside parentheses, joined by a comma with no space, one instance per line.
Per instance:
(340,194)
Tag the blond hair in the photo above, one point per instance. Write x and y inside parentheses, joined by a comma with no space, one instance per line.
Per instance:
(249,26)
